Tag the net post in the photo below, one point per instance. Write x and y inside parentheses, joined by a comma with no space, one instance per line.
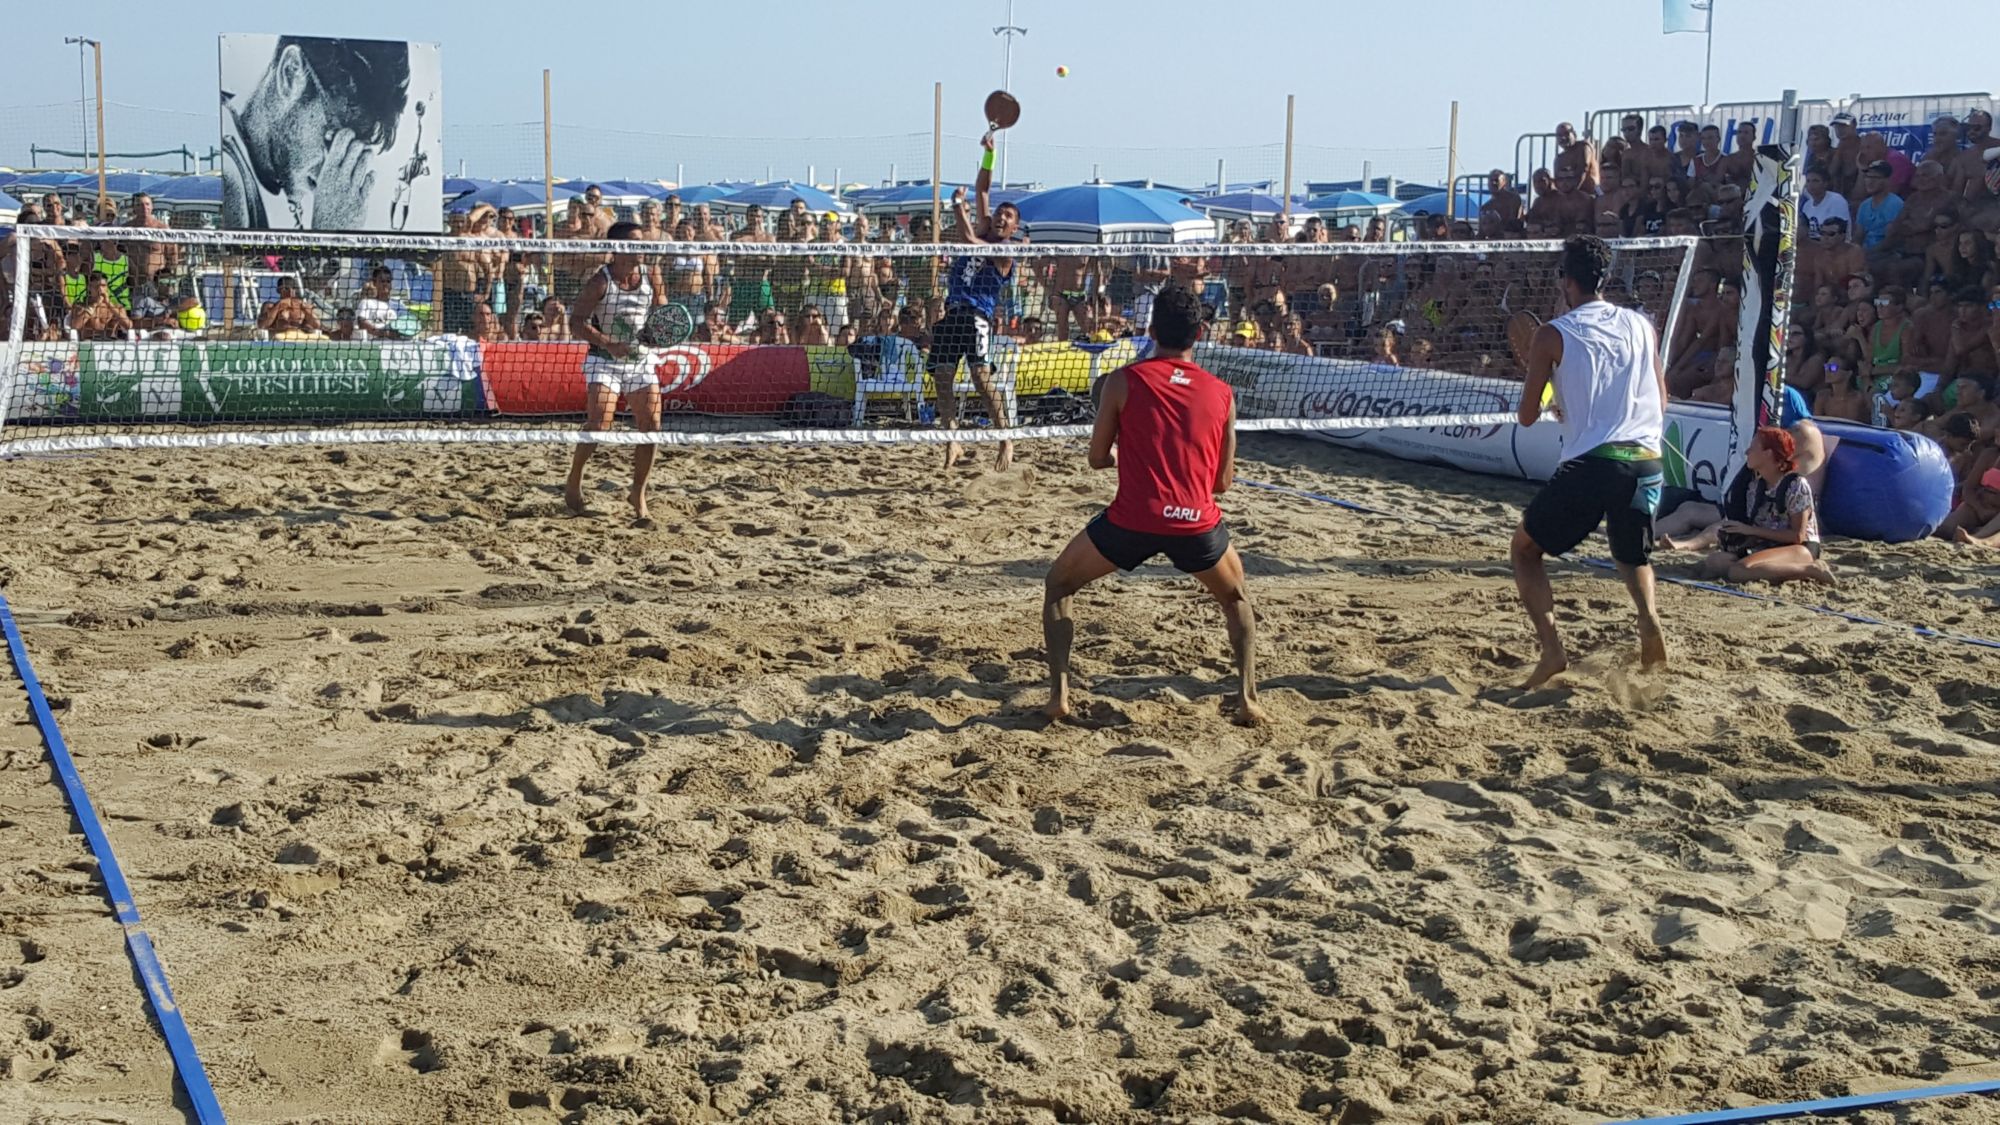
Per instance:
(937,159)
(1450,171)
(17,321)
(548,184)
(97,53)
(1770,252)
(1291,105)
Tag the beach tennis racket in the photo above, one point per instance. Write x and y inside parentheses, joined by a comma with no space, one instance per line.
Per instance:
(1002,110)
(666,326)
(1521,328)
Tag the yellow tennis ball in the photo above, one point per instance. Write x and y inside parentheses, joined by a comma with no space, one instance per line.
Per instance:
(1062,72)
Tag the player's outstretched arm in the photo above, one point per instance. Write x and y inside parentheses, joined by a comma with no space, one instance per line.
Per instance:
(982,184)
(1104,436)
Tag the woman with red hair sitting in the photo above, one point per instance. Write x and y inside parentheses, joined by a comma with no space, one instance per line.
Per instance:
(1773,530)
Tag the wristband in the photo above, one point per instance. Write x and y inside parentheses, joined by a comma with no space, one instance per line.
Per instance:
(986,161)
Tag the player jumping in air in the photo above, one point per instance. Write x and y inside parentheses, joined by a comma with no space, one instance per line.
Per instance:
(972,298)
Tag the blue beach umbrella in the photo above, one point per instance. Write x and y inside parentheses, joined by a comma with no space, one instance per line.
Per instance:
(1434,204)
(190,190)
(1239,205)
(455,186)
(510,196)
(1352,202)
(1107,214)
(779,196)
(701,193)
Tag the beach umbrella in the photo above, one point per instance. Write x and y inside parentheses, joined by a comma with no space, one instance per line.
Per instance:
(1239,205)
(1352,202)
(906,200)
(55,181)
(455,186)
(510,196)
(778,197)
(132,183)
(1107,213)
(10,207)
(1434,204)
(701,193)
(632,189)
(190,191)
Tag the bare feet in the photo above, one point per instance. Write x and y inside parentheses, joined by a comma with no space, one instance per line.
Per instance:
(1822,573)
(1057,709)
(1967,539)
(573,499)
(1249,713)
(637,498)
(1005,458)
(1652,646)
(1553,663)
(952,452)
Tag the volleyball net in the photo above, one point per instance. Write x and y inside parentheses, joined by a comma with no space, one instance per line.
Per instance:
(129,338)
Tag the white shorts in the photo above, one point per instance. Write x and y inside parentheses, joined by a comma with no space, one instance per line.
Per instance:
(625,376)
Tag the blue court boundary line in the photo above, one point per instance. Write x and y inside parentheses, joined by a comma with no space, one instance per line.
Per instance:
(187,1063)
(1823,1105)
(1689,583)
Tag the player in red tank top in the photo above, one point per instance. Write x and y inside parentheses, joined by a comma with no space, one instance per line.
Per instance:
(1174,429)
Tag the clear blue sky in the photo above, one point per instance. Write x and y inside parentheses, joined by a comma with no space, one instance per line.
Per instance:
(1191,80)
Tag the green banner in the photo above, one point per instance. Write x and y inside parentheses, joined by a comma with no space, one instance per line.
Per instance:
(335,381)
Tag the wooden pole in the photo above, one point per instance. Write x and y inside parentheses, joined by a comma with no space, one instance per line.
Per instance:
(548,162)
(1451,172)
(97,52)
(1291,106)
(937,160)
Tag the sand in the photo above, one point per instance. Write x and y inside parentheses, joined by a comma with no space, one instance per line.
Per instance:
(443,806)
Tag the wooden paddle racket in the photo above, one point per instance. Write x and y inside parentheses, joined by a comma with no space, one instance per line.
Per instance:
(1002,110)
(1521,329)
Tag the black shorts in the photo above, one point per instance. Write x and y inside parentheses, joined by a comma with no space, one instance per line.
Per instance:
(1129,550)
(1622,495)
(960,334)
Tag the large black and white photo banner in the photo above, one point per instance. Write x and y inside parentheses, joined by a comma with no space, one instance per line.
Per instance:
(331,134)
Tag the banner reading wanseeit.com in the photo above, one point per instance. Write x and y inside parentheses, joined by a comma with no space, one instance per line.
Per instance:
(215,382)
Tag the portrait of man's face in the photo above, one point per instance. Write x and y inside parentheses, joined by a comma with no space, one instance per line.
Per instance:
(330,134)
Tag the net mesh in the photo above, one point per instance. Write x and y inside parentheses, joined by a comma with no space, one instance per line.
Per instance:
(829,332)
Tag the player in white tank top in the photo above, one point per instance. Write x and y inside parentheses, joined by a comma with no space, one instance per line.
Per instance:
(609,316)
(1605,379)
(1610,394)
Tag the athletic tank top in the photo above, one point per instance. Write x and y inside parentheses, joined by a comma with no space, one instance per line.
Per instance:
(1170,438)
(1889,352)
(622,312)
(1605,383)
(974,283)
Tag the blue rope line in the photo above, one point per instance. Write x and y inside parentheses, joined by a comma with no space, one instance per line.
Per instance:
(1690,583)
(1823,1105)
(187,1064)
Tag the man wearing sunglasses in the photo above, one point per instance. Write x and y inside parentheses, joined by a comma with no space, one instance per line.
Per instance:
(298,150)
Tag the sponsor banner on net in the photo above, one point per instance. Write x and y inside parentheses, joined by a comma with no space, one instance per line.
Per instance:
(199,381)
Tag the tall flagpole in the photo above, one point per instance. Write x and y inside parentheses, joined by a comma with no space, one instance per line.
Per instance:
(1008,32)
(1708,68)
